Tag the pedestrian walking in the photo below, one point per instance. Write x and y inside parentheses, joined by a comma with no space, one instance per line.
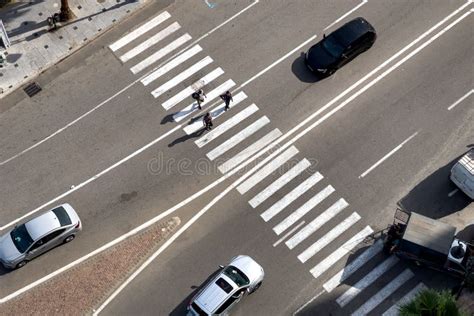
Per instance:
(207,121)
(227,97)
(199,96)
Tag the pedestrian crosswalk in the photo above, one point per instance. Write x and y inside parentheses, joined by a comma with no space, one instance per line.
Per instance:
(297,201)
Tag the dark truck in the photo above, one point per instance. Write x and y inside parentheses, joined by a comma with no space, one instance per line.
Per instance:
(430,243)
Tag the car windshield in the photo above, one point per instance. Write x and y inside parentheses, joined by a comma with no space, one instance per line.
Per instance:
(237,276)
(331,45)
(21,238)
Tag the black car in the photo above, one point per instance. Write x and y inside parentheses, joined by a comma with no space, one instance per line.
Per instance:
(340,47)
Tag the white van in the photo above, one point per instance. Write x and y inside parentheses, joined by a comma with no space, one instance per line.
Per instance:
(462,174)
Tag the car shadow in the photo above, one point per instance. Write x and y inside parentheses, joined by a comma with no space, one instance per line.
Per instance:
(4,270)
(431,198)
(302,72)
(181,309)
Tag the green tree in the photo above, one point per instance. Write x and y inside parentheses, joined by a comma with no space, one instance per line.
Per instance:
(430,302)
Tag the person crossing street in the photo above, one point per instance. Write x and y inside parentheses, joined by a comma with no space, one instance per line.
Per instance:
(207,120)
(199,96)
(227,97)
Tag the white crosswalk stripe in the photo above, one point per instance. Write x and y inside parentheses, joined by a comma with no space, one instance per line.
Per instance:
(290,197)
(139,31)
(187,92)
(330,260)
(366,281)
(267,169)
(217,112)
(210,96)
(329,237)
(279,183)
(237,138)
(315,224)
(385,292)
(393,311)
(171,65)
(249,151)
(153,58)
(150,42)
(182,76)
(303,210)
(353,266)
(221,129)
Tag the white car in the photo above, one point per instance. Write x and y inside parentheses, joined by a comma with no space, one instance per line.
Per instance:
(242,276)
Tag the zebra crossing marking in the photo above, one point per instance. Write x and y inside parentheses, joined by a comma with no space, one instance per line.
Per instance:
(171,65)
(150,42)
(290,197)
(267,170)
(221,129)
(366,281)
(139,31)
(279,183)
(177,117)
(160,53)
(237,138)
(218,111)
(303,210)
(393,311)
(315,224)
(182,76)
(385,292)
(249,151)
(329,237)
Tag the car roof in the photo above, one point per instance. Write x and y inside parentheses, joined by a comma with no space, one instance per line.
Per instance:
(352,30)
(213,296)
(248,266)
(42,224)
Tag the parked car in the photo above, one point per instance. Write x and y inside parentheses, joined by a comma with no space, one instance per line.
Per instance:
(242,276)
(29,240)
(340,47)
(462,174)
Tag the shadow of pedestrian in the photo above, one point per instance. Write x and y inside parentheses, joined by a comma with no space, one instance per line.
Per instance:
(187,137)
(167,119)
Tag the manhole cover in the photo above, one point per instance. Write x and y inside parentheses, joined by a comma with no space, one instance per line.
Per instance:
(32,89)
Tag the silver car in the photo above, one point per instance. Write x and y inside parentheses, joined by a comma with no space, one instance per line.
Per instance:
(242,276)
(29,240)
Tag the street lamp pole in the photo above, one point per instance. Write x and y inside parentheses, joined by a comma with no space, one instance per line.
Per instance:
(65,13)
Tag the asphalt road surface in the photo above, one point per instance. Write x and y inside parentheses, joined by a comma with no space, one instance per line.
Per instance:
(115,134)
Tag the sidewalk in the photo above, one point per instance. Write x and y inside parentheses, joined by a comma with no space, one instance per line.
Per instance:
(34,48)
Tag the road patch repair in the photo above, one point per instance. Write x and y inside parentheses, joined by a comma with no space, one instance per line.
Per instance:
(94,279)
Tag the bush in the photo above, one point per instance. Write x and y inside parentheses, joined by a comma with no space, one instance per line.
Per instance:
(430,302)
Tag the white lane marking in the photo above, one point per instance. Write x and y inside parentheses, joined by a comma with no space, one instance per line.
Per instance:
(341,95)
(215,113)
(330,260)
(249,151)
(139,31)
(317,223)
(237,138)
(308,302)
(150,42)
(210,96)
(182,76)
(277,61)
(460,100)
(291,196)
(387,156)
(147,62)
(288,234)
(346,14)
(328,238)
(367,280)
(393,311)
(267,170)
(188,91)
(95,177)
(353,266)
(171,65)
(303,210)
(221,129)
(450,194)
(279,183)
(381,295)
